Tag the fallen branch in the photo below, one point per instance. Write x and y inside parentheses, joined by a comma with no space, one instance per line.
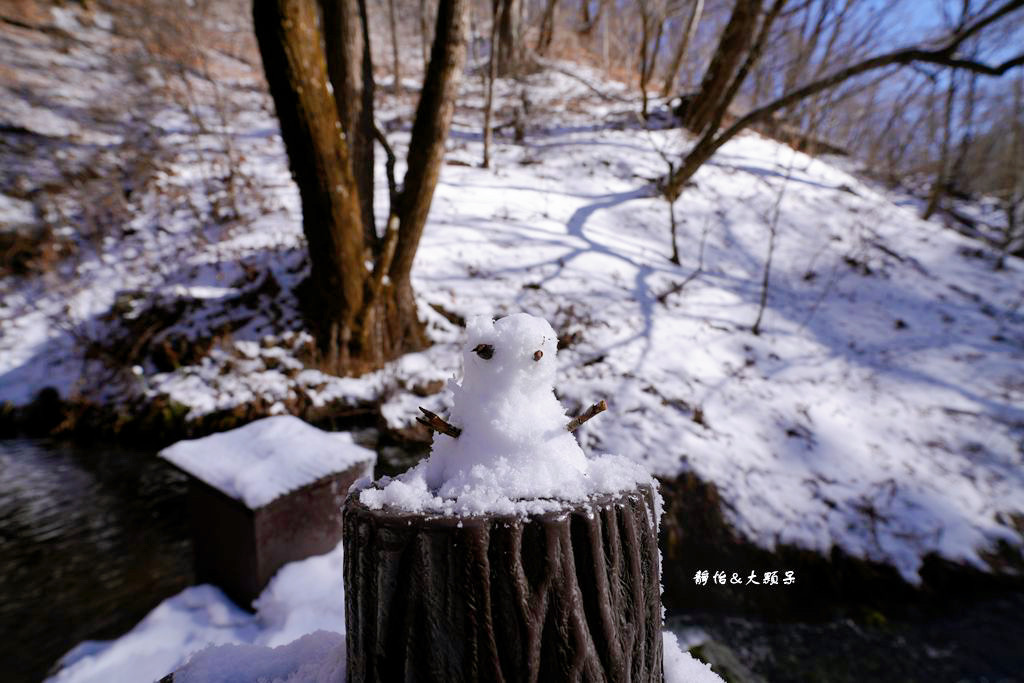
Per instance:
(438,423)
(593,410)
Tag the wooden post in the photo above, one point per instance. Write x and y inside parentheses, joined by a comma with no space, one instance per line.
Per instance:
(572,594)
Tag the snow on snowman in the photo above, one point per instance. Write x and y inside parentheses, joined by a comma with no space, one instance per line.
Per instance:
(509,448)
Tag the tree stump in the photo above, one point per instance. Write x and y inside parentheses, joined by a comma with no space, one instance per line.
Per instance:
(568,595)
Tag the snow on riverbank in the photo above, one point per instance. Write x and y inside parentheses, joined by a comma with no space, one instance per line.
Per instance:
(303,597)
(301,614)
(880,409)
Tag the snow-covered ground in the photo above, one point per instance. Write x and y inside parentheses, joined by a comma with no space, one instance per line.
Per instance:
(880,409)
(294,637)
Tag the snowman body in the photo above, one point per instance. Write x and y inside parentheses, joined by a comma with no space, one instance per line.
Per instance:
(514,437)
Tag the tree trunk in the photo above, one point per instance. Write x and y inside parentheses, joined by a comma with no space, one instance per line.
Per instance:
(492,73)
(350,69)
(361,318)
(685,38)
(289,39)
(547,27)
(1013,196)
(425,38)
(652,20)
(567,595)
(941,173)
(732,47)
(588,21)
(426,152)
(396,62)
(430,130)
(509,37)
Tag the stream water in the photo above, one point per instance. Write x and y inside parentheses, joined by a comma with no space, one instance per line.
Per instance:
(91,539)
(976,640)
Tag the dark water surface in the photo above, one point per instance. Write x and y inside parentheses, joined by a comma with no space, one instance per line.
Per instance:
(91,539)
(964,639)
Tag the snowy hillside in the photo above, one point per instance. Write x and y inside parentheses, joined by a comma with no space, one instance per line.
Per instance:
(880,409)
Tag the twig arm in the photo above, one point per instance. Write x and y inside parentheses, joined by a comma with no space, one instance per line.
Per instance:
(593,410)
(437,423)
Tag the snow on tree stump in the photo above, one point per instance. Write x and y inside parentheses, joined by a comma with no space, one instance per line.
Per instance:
(571,594)
(263,495)
(508,554)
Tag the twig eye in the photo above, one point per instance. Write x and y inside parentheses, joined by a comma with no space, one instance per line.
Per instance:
(538,354)
(485,351)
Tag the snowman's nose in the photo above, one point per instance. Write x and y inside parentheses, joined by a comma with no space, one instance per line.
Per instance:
(538,354)
(485,351)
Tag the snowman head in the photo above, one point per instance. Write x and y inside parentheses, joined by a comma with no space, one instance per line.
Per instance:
(516,352)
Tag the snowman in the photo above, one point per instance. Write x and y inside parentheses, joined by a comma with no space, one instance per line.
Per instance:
(510,432)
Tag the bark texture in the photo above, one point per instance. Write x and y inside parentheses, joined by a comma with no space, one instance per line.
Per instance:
(566,596)
(732,48)
(362,317)
(289,38)
(426,152)
(350,69)
(547,27)
(509,37)
(686,37)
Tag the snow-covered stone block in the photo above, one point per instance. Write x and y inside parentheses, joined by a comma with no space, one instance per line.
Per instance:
(263,495)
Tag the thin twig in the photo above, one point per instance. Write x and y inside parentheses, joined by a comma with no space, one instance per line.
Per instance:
(697,272)
(389,165)
(593,410)
(773,226)
(438,424)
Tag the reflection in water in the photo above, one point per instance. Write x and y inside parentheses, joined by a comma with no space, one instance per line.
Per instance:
(91,539)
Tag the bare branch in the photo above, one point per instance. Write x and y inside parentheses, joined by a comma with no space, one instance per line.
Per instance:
(438,424)
(943,56)
(593,410)
(389,165)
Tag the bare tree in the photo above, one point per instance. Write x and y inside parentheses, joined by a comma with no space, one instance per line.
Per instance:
(588,19)
(685,39)
(652,21)
(362,316)
(547,27)
(733,46)
(492,74)
(945,53)
(1011,180)
(943,166)
(426,37)
(509,37)
(396,62)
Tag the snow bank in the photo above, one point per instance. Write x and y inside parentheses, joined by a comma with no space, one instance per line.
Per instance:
(315,658)
(302,598)
(320,658)
(267,458)
(295,636)
(681,667)
(514,454)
